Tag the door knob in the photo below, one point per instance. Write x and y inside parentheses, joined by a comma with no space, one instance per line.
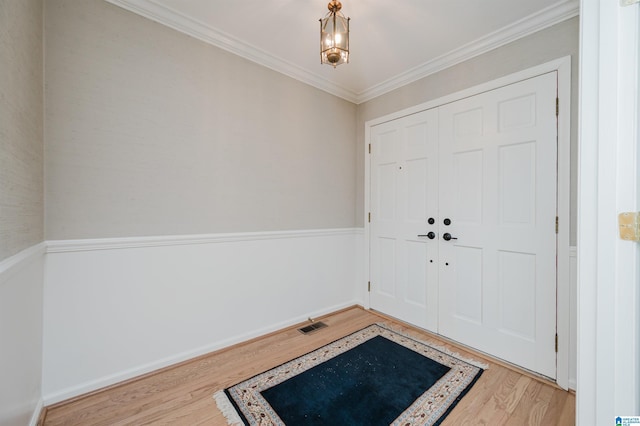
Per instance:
(431,221)
(430,235)
(447,237)
(447,221)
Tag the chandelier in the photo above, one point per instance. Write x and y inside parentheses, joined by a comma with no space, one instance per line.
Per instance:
(334,36)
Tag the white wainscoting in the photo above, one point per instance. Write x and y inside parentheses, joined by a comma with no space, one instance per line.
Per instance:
(573,317)
(21,289)
(118,308)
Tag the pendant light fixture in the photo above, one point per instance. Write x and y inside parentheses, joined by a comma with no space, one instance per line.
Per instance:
(334,36)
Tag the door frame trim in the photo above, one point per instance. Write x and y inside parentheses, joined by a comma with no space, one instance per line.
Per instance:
(563,68)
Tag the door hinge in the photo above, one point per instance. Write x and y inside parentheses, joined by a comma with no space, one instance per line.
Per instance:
(369,148)
(369,217)
(557,107)
(557,224)
(556,342)
(629,226)
(369,286)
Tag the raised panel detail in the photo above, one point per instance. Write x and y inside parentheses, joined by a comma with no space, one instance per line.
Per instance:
(416,172)
(468,124)
(387,191)
(517,113)
(416,137)
(468,190)
(517,177)
(387,145)
(517,287)
(468,284)
(417,278)
(387,264)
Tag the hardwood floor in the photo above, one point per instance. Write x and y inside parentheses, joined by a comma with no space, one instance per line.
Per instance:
(182,394)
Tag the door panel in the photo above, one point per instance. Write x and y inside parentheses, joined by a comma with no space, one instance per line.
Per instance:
(517,184)
(403,196)
(485,169)
(468,286)
(498,184)
(468,174)
(517,288)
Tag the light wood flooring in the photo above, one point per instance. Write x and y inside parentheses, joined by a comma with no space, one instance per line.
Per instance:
(182,394)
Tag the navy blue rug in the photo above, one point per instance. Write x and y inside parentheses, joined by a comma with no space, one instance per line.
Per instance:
(372,377)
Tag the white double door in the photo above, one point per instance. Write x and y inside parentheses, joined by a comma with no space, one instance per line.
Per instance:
(463,214)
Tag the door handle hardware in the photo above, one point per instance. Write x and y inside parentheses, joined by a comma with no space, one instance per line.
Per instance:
(431,221)
(430,235)
(447,237)
(447,221)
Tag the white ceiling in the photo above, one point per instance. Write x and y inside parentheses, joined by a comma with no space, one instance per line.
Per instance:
(392,43)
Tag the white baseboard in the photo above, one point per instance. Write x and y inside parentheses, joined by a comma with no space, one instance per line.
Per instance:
(36,413)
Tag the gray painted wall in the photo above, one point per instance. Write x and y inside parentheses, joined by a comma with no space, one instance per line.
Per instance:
(21,140)
(552,43)
(152,132)
(21,209)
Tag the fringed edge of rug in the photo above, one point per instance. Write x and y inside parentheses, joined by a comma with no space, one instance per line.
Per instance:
(436,347)
(227,409)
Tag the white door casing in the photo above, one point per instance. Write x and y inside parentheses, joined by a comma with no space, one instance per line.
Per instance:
(608,372)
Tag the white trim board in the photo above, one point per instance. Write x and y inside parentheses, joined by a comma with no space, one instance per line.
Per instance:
(35,417)
(19,260)
(522,28)
(573,319)
(608,382)
(60,246)
(563,67)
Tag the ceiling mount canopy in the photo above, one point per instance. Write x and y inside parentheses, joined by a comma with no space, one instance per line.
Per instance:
(334,36)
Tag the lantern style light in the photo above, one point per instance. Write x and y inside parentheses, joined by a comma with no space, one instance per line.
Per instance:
(334,36)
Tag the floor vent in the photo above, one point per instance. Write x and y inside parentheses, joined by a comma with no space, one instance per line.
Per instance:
(312,327)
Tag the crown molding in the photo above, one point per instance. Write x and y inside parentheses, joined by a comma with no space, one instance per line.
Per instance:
(524,27)
(519,29)
(184,24)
